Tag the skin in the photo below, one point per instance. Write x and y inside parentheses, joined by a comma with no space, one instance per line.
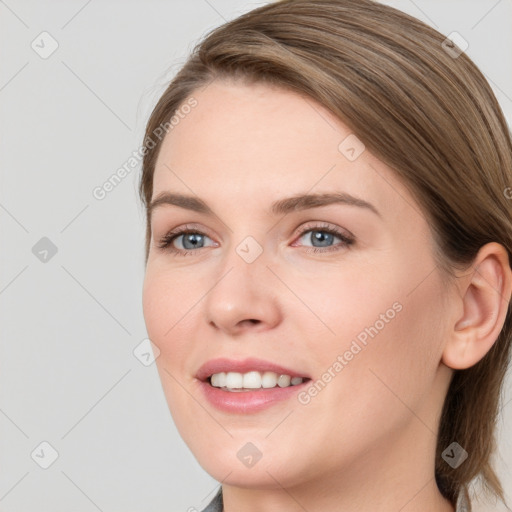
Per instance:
(367,440)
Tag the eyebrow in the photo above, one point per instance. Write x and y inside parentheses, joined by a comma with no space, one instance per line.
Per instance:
(280,207)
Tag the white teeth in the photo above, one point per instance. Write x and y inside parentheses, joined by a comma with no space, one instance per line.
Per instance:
(234,380)
(218,380)
(283,381)
(252,380)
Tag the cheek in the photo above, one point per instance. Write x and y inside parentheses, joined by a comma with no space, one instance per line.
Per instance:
(398,362)
(165,318)
(345,302)
(387,328)
(154,305)
(166,298)
(170,309)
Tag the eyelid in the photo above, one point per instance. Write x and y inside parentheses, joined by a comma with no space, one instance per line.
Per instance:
(189,226)
(180,231)
(320,225)
(299,231)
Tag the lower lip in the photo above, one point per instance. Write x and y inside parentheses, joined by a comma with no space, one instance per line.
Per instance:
(248,401)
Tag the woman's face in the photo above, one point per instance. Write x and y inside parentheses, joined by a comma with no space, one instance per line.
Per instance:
(364,319)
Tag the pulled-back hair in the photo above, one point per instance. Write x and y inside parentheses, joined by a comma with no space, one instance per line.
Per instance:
(424,110)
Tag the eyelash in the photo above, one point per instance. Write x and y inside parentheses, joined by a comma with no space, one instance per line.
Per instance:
(166,241)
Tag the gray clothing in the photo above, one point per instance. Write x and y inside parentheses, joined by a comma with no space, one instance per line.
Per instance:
(216,504)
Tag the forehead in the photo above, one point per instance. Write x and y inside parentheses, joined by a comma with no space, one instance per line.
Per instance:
(251,123)
(255,141)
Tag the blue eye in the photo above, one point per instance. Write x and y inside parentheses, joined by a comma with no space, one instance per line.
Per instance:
(194,239)
(323,236)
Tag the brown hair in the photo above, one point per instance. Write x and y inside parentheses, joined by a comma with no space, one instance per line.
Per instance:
(422,109)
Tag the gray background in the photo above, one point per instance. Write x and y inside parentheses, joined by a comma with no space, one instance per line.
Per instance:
(70,324)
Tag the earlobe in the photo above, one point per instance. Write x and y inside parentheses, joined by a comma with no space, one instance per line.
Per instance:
(486,291)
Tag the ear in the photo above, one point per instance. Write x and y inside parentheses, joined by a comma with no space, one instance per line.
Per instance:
(485,295)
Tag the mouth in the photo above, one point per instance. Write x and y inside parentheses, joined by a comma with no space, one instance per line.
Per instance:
(249,375)
(252,391)
(252,381)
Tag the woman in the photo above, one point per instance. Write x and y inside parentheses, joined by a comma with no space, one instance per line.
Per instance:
(328,257)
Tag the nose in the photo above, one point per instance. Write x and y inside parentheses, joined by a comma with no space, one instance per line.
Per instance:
(243,296)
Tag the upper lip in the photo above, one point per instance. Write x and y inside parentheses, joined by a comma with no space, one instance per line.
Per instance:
(231,365)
